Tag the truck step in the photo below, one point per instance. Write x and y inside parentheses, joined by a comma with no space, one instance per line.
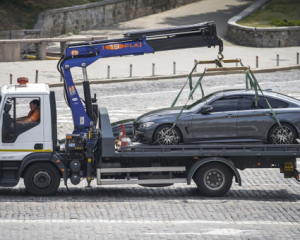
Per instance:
(170,180)
(144,181)
(9,182)
(142,169)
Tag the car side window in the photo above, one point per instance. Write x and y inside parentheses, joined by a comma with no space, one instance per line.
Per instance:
(249,103)
(224,104)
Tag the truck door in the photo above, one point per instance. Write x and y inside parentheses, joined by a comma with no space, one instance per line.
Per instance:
(20,139)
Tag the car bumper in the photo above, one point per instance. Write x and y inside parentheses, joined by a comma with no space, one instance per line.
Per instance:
(144,135)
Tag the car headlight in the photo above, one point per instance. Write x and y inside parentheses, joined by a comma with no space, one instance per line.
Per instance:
(145,125)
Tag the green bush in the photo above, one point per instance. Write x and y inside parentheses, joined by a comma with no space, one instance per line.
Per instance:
(16,2)
(281,23)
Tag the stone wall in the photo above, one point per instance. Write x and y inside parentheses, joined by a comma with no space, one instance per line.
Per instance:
(261,37)
(101,14)
(264,37)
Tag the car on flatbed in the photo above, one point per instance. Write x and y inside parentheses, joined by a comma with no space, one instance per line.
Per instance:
(230,116)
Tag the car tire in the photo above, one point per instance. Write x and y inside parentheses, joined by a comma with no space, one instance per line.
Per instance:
(166,135)
(42,179)
(286,136)
(213,179)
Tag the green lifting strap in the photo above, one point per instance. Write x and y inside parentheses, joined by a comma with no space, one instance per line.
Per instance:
(173,104)
(190,84)
(253,84)
(273,113)
(200,85)
(191,95)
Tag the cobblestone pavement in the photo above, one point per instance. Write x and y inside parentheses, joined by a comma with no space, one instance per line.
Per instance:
(265,207)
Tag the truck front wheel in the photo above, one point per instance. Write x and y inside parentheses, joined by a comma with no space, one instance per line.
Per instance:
(213,179)
(42,179)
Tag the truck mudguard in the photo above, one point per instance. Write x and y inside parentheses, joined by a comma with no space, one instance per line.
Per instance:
(44,157)
(198,164)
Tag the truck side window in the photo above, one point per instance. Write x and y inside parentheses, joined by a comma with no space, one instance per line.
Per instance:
(15,111)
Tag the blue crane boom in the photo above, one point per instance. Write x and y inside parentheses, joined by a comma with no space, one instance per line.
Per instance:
(134,43)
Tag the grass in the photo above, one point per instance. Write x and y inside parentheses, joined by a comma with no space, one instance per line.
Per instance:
(275,14)
(23,14)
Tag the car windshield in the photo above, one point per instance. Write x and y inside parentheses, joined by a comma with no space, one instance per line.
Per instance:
(202,100)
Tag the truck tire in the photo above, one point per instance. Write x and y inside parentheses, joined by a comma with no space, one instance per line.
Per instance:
(42,179)
(213,179)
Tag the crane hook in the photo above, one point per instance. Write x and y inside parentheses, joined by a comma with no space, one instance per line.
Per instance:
(220,56)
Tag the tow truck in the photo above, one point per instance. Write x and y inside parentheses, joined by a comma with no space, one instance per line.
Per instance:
(31,151)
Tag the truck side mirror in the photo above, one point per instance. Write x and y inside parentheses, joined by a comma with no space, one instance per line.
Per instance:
(7,107)
(206,109)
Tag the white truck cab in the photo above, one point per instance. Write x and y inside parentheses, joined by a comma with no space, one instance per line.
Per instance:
(24,143)
(19,140)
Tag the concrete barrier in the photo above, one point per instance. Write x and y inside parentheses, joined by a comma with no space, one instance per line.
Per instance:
(10,49)
(9,52)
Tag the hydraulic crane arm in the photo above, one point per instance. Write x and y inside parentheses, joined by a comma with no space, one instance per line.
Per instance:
(134,43)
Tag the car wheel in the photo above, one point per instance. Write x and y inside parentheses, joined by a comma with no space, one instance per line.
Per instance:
(42,179)
(284,135)
(166,135)
(213,179)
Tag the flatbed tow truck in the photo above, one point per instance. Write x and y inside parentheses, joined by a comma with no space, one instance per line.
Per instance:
(31,151)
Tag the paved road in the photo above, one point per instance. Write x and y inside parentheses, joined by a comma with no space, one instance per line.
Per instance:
(265,207)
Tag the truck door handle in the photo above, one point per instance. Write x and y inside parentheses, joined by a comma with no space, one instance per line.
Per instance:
(231,115)
(38,146)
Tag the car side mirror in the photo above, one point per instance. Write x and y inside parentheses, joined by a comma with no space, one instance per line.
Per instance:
(206,109)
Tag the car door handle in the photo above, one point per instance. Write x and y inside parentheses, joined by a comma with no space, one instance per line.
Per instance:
(231,115)
(268,113)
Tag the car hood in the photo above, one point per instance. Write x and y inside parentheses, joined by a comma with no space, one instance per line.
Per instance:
(160,112)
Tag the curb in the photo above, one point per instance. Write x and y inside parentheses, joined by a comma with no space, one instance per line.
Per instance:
(119,80)
(255,6)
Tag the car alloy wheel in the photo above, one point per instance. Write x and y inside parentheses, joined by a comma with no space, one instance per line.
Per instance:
(282,135)
(166,135)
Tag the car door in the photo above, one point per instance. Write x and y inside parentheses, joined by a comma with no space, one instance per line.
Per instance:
(220,123)
(253,120)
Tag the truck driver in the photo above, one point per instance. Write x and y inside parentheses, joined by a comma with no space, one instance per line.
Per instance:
(33,115)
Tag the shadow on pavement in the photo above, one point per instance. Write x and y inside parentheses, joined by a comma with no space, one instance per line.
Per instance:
(139,194)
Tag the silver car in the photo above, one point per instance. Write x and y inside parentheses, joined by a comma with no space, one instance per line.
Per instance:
(224,117)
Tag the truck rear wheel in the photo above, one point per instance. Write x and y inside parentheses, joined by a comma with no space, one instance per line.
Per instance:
(213,179)
(42,179)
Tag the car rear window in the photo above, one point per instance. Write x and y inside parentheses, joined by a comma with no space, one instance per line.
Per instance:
(249,103)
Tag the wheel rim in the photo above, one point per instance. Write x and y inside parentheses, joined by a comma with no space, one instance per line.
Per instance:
(42,179)
(214,179)
(167,136)
(282,135)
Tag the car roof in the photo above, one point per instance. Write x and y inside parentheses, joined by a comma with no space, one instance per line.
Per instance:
(230,92)
(267,93)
